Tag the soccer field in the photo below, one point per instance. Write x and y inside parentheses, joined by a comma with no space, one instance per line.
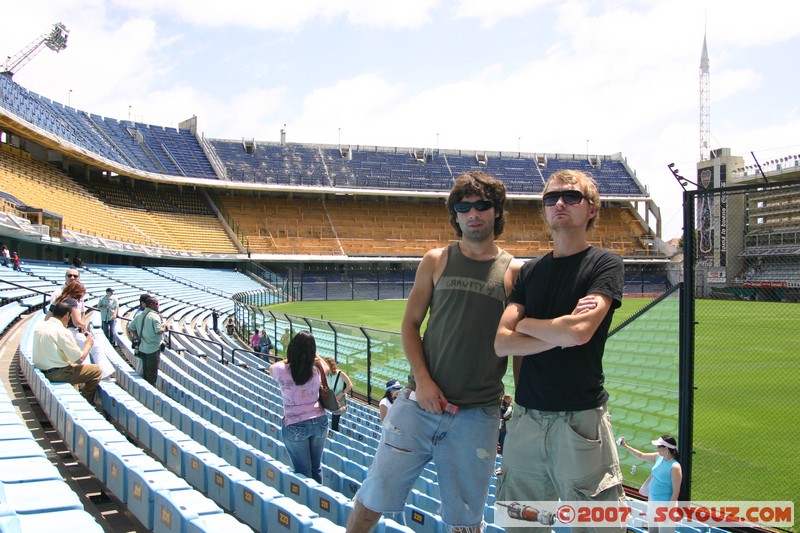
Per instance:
(746,409)
(388,314)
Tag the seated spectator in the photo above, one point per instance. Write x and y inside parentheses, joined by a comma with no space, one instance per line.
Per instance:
(72,274)
(264,342)
(57,355)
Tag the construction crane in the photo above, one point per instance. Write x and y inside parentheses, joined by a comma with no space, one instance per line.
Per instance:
(56,40)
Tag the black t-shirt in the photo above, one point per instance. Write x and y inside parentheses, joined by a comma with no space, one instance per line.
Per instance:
(569,379)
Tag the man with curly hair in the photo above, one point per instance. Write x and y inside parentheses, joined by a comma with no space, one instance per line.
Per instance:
(450,411)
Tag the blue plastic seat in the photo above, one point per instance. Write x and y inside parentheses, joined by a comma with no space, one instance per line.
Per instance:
(162,438)
(331,478)
(423,521)
(229,448)
(69,521)
(178,454)
(175,509)
(119,463)
(26,498)
(272,474)
(72,418)
(285,514)
(323,525)
(27,469)
(100,430)
(20,448)
(349,486)
(214,523)
(297,487)
(100,448)
(328,503)
(222,484)
(198,468)
(142,489)
(251,498)
(15,432)
(146,424)
(249,459)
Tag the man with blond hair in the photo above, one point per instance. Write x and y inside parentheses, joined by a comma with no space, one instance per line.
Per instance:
(559,443)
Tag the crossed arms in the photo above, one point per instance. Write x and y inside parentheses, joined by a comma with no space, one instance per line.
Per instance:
(519,335)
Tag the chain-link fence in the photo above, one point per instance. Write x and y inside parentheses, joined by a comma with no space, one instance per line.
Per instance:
(742,407)
(641,368)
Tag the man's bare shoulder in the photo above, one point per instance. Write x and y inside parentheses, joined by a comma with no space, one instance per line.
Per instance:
(512,272)
(516,265)
(436,253)
(434,257)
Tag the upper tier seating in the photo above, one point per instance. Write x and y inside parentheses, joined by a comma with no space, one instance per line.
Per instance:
(397,168)
(178,152)
(141,146)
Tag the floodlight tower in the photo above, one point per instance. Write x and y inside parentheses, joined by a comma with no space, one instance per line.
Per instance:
(705,103)
(56,40)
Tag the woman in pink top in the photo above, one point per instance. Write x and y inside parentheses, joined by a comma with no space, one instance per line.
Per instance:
(254,341)
(305,423)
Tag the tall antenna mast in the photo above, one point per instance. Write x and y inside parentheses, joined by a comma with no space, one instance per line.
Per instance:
(705,103)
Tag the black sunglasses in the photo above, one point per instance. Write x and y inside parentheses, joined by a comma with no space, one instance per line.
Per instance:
(570,197)
(76,276)
(480,205)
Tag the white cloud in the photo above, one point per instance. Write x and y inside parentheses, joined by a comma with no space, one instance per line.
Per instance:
(491,13)
(289,16)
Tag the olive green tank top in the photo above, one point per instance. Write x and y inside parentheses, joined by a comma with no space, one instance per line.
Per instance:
(467,303)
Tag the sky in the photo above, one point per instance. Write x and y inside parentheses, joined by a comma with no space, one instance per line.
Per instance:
(537,76)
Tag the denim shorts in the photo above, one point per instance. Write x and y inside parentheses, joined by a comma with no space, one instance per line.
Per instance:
(462,446)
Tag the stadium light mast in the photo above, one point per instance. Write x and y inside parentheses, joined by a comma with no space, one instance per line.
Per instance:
(705,103)
(683,182)
(56,41)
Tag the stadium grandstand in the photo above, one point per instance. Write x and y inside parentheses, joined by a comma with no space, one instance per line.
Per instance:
(234,225)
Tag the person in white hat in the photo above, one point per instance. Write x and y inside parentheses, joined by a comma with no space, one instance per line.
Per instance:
(665,477)
(392,389)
